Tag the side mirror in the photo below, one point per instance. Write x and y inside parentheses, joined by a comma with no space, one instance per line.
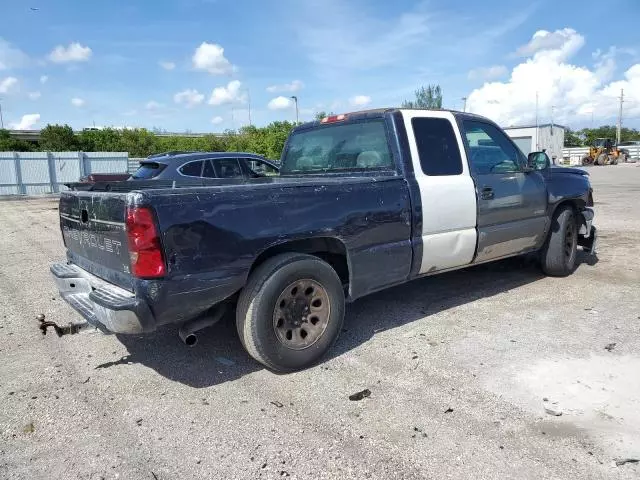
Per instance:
(538,161)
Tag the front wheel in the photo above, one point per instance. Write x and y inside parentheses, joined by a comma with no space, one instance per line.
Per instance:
(558,256)
(291,311)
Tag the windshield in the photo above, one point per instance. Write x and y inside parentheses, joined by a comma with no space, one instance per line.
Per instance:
(337,148)
(148,170)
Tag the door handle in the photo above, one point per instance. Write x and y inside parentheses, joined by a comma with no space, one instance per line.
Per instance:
(487,193)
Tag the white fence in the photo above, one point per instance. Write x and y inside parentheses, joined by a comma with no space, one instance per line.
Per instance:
(34,173)
(573,156)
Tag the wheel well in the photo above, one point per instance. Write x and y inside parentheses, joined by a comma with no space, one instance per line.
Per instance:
(576,204)
(329,249)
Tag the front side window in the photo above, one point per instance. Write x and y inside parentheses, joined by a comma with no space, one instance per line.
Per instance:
(227,168)
(338,148)
(490,150)
(260,169)
(437,146)
(192,169)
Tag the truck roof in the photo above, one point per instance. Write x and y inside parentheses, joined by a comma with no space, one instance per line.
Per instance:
(378,112)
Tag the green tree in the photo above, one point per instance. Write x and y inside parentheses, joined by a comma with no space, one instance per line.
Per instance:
(10,144)
(572,139)
(58,138)
(426,98)
(106,140)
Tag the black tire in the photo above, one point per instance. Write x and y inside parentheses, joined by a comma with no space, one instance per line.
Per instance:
(602,159)
(558,256)
(260,304)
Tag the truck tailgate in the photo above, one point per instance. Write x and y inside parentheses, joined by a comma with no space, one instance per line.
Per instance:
(94,232)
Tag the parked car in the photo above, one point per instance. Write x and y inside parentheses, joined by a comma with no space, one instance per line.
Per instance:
(189,165)
(363,202)
(105,177)
(88,182)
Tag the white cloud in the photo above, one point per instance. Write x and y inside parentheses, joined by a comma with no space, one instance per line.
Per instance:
(8,84)
(43,79)
(77,102)
(34,95)
(360,100)
(280,103)
(230,94)
(167,65)
(189,97)
(153,105)
(575,91)
(11,57)
(563,43)
(488,73)
(210,58)
(73,53)
(217,120)
(294,86)
(27,122)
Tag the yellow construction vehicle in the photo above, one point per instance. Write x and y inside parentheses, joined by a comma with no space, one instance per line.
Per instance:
(603,152)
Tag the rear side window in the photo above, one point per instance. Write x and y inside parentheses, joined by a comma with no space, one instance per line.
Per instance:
(437,146)
(337,148)
(208,170)
(192,169)
(148,170)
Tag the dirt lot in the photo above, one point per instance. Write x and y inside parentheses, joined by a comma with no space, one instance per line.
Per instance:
(458,365)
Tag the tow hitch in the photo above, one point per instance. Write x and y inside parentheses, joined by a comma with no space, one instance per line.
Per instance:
(70,329)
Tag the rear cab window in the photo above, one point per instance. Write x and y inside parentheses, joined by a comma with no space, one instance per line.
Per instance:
(340,147)
(437,146)
(148,170)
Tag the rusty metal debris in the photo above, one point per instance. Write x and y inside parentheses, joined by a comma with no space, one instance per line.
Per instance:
(360,395)
(70,329)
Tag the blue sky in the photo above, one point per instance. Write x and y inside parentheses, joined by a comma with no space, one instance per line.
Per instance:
(198,64)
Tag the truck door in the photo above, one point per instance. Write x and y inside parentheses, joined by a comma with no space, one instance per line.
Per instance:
(512,203)
(446,190)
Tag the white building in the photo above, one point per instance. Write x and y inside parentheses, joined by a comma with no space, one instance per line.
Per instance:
(543,137)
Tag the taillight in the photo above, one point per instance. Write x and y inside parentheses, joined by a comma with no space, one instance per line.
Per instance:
(144,244)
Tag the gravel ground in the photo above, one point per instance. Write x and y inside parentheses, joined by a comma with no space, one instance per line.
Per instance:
(458,365)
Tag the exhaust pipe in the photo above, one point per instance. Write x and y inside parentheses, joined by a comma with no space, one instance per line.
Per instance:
(188,329)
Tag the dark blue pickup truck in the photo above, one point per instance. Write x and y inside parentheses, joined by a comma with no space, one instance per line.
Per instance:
(363,201)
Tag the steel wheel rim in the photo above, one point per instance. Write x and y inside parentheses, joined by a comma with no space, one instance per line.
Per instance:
(569,240)
(301,314)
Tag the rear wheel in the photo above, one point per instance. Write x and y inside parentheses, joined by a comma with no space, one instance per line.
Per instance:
(558,256)
(291,311)
(602,159)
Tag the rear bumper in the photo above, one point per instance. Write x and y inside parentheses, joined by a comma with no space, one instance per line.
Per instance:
(105,306)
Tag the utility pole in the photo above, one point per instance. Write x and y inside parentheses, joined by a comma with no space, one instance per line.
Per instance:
(249,99)
(537,142)
(295,99)
(1,119)
(619,129)
(552,108)
(464,105)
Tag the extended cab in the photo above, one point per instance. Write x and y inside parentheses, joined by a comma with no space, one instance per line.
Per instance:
(363,201)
